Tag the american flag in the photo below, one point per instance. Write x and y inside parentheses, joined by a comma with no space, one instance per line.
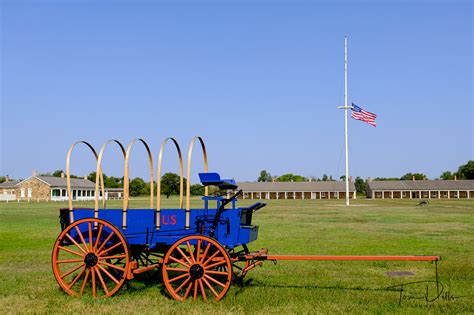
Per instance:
(360,114)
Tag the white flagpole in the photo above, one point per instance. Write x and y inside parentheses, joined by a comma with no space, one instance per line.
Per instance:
(346,107)
(345,121)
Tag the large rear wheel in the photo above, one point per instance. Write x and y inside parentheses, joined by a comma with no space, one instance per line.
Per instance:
(91,257)
(193,267)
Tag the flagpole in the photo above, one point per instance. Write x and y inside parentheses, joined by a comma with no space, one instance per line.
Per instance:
(345,121)
(345,108)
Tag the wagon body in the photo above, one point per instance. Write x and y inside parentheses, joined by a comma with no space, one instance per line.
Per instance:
(234,227)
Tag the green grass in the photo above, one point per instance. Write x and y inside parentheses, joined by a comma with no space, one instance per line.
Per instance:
(369,227)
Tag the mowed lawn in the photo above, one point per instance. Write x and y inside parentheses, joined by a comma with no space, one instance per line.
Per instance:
(369,227)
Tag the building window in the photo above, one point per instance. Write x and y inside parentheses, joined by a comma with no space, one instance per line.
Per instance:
(22,193)
(30,192)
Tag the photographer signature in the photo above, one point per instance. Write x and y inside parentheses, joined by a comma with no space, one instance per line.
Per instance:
(434,291)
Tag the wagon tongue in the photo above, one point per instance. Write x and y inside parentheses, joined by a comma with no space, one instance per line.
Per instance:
(214,179)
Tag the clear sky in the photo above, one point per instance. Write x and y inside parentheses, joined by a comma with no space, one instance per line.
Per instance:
(259,81)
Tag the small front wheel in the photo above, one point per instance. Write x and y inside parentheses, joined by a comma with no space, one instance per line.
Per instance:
(91,257)
(193,267)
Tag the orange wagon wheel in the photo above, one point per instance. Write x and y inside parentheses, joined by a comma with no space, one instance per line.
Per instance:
(90,260)
(193,267)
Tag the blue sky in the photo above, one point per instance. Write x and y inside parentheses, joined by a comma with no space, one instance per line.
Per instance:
(259,81)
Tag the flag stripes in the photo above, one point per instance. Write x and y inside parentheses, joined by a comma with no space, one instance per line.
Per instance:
(363,115)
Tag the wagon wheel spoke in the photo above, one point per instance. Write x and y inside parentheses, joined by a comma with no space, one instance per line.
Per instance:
(108,274)
(215,281)
(112,257)
(187,291)
(179,261)
(69,261)
(176,269)
(190,252)
(111,266)
(184,255)
(72,270)
(198,251)
(215,264)
(89,225)
(82,238)
(99,234)
(195,290)
(210,258)
(85,281)
(177,278)
(202,290)
(70,251)
(105,242)
(210,287)
(101,280)
(75,243)
(213,272)
(182,284)
(77,278)
(94,288)
(205,252)
(105,251)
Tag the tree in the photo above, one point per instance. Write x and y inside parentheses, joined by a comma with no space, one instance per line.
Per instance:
(3,179)
(327,178)
(92,176)
(113,182)
(264,176)
(466,171)
(386,178)
(138,187)
(447,175)
(418,176)
(361,186)
(170,184)
(58,173)
(291,178)
(197,190)
(109,181)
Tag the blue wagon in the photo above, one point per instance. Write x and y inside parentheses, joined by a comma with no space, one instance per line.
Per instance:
(200,251)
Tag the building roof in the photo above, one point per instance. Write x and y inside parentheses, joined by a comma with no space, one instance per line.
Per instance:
(422,185)
(9,184)
(60,182)
(119,189)
(296,186)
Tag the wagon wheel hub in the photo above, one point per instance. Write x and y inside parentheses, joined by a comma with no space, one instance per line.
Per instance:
(91,260)
(196,271)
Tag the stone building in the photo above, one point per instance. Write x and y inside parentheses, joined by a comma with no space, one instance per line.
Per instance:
(413,189)
(297,190)
(52,188)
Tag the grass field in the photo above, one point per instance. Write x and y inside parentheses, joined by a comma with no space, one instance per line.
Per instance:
(369,227)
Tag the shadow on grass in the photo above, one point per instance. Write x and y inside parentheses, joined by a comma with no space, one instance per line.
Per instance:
(249,283)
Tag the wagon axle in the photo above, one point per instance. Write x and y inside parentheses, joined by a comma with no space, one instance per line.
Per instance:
(91,260)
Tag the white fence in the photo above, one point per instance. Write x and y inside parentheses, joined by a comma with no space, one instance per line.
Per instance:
(7,197)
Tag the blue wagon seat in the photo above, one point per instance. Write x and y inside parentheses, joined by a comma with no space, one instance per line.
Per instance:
(208,179)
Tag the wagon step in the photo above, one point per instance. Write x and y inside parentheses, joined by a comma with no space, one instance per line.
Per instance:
(134,269)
